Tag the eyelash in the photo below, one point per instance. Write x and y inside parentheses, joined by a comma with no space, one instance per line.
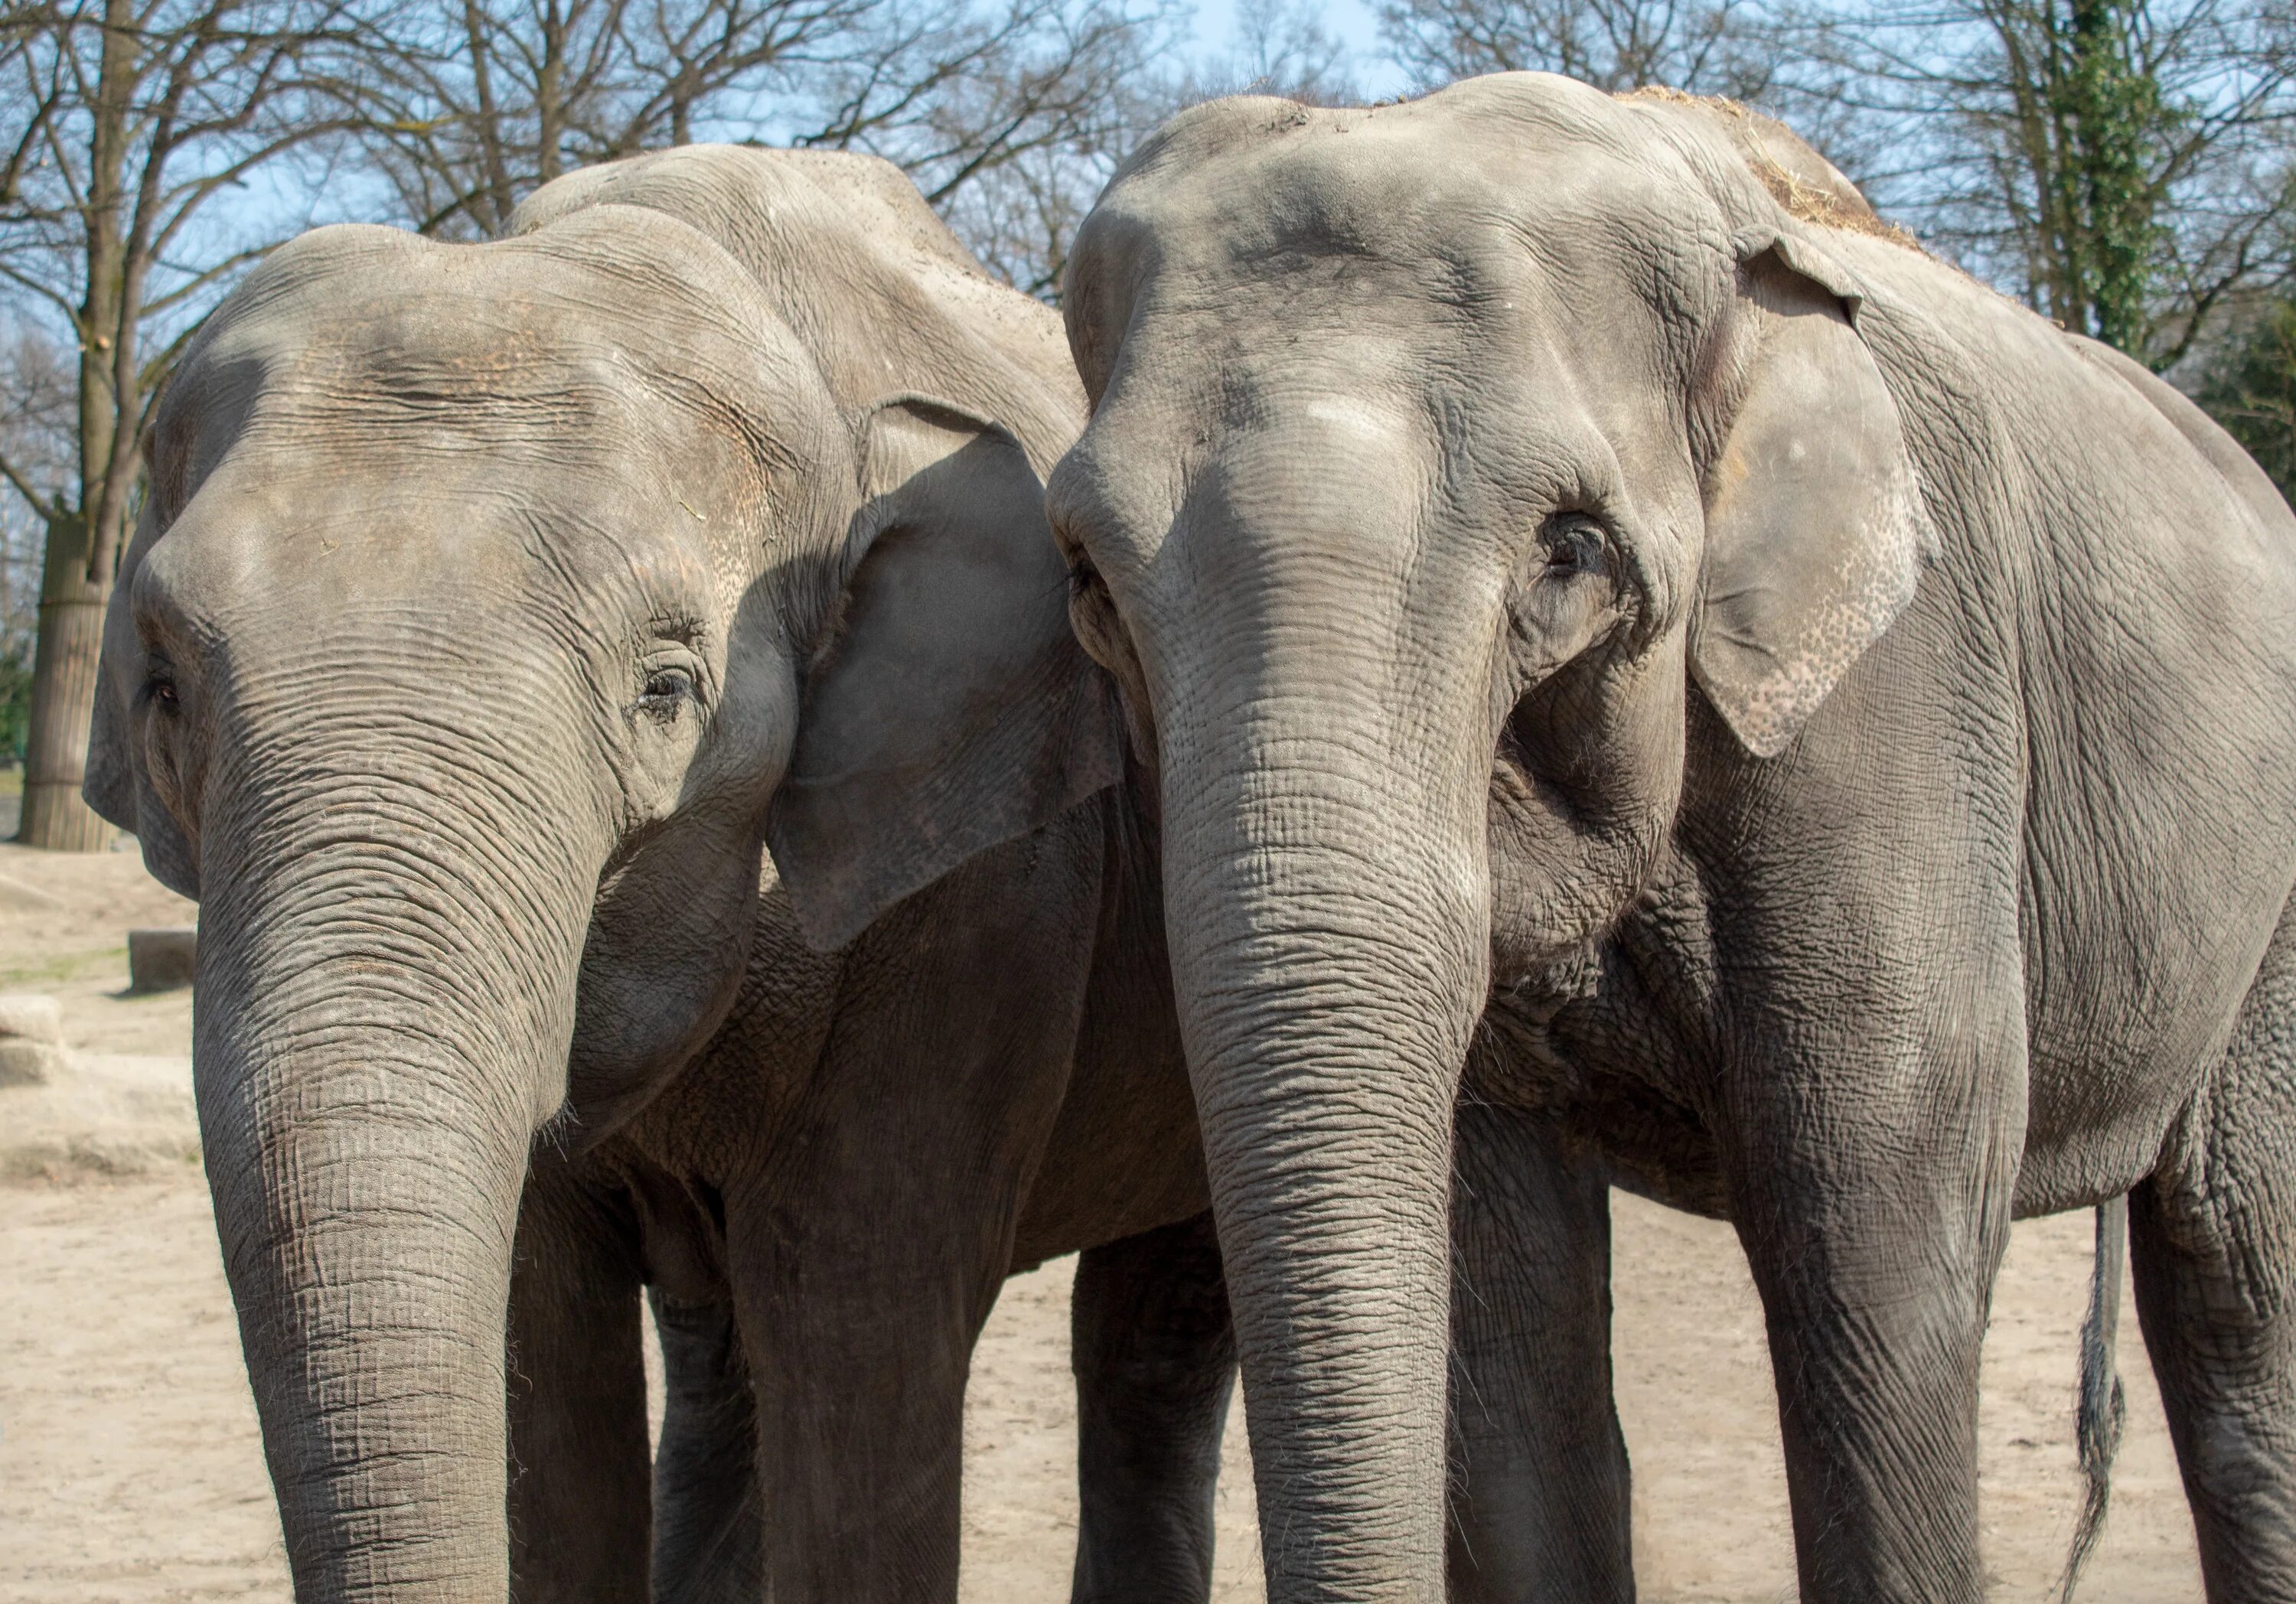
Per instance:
(1574,542)
(667,690)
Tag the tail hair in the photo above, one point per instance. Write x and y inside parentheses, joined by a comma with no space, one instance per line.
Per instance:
(2104,1408)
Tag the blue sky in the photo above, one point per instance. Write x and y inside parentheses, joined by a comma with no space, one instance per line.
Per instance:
(1353,22)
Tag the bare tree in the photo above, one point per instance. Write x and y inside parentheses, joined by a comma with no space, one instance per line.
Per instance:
(486,100)
(491,98)
(2118,164)
(36,438)
(1704,46)
(1020,214)
(1013,145)
(1282,47)
(125,123)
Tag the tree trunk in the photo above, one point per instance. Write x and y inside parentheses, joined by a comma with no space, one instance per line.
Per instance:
(63,692)
(74,583)
(549,106)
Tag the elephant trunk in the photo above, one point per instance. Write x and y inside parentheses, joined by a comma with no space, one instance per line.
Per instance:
(384,1014)
(1327,901)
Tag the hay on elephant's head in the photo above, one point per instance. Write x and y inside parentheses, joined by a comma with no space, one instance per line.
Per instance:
(1827,209)
(1808,201)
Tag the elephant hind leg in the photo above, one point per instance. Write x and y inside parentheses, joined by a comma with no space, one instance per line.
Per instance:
(1154,1356)
(708,1529)
(2212,1241)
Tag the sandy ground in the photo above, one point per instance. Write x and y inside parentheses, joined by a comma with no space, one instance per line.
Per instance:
(130,1469)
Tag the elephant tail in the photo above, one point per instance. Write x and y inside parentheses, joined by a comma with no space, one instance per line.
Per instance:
(2103,1407)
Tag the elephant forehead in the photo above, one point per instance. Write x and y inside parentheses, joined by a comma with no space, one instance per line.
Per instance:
(1459,221)
(446,546)
(455,364)
(1528,388)
(595,333)
(485,409)
(557,461)
(1417,180)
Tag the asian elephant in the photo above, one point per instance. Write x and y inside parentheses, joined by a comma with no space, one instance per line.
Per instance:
(1594,596)
(491,606)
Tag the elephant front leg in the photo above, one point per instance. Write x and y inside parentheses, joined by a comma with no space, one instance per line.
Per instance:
(578,1475)
(1872,1196)
(1155,1356)
(858,1319)
(1540,1489)
(708,1542)
(865,1247)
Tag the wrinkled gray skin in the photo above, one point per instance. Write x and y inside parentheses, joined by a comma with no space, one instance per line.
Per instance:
(490,605)
(828,1197)
(825,1203)
(1821,734)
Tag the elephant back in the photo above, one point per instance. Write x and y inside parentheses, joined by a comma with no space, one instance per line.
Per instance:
(870,279)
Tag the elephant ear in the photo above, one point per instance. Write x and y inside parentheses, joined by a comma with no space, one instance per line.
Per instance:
(113,782)
(108,782)
(1814,525)
(953,709)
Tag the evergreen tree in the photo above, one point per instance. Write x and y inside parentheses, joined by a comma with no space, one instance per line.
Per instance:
(2251,389)
(2109,162)
(2104,172)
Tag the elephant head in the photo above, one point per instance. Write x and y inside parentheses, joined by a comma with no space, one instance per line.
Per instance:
(487,599)
(1458,471)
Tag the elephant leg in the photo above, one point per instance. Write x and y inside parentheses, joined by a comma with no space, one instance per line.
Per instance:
(578,1475)
(708,1532)
(1539,1491)
(1872,1189)
(858,1317)
(2212,1243)
(866,1252)
(1154,1357)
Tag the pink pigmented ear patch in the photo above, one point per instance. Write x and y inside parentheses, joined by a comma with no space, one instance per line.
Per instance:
(1815,525)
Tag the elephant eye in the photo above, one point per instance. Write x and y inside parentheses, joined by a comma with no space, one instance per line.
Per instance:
(1574,543)
(160,691)
(666,690)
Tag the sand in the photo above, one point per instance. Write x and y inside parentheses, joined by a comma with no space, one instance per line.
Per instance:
(130,1469)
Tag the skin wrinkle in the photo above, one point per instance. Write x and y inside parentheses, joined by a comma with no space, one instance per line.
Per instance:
(447,916)
(1854,1187)
(1365,1402)
(450,924)
(368,988)
(440,837)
